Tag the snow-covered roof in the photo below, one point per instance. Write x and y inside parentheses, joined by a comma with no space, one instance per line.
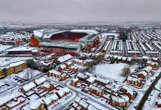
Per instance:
(75,104)
(46,33)
(84,31)
(108,56)
(119,99)
(55,72)
(40,80)
(111,34)
(54,97)
(74,67)
(102,80)
(131,46)
(46,84)
(83,103)
(66,90)
(117,46)
(77,60)
(134,52)
(29,86)
(45,63)
(47,100)
(9,60)
(14,103)
(125,97)
(145,57)
(124,58)
(63,66)
(157,44)
(62,91)
(34,104)
(22,48)
(68,62)
(38,33)
(90,107)
(61,44)
(17,63)
(77,99)
(81,75)
(148,68)
(8,97)
(75,79)
(129,59)
(65,58)
(154,58)
(88,60)
(143,72)
(132,79)
(91,79)
(128,90)
(95,88)
(119,57)
(79,66)
(149,61)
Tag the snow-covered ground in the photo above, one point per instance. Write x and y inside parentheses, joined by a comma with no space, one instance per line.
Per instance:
(112,71)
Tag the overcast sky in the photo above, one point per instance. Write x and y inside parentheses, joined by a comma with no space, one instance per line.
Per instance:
(47,11)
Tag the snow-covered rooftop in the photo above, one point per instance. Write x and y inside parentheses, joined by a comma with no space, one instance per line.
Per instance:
(65,58)
(22,48)
(29,86)
(17,63)
(55,72)
(84,31)
(40,80)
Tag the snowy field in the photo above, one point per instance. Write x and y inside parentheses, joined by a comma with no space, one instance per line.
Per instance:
(112,71)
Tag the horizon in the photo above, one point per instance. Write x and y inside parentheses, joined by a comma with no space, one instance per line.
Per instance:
(82,23)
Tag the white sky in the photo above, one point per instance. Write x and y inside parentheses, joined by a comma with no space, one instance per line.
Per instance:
(80,10)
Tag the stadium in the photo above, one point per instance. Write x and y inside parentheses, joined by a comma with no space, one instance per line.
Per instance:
(67,41)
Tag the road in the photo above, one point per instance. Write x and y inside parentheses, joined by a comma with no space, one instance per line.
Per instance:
(147,93)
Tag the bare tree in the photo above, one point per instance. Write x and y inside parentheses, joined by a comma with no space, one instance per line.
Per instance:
(125,71)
